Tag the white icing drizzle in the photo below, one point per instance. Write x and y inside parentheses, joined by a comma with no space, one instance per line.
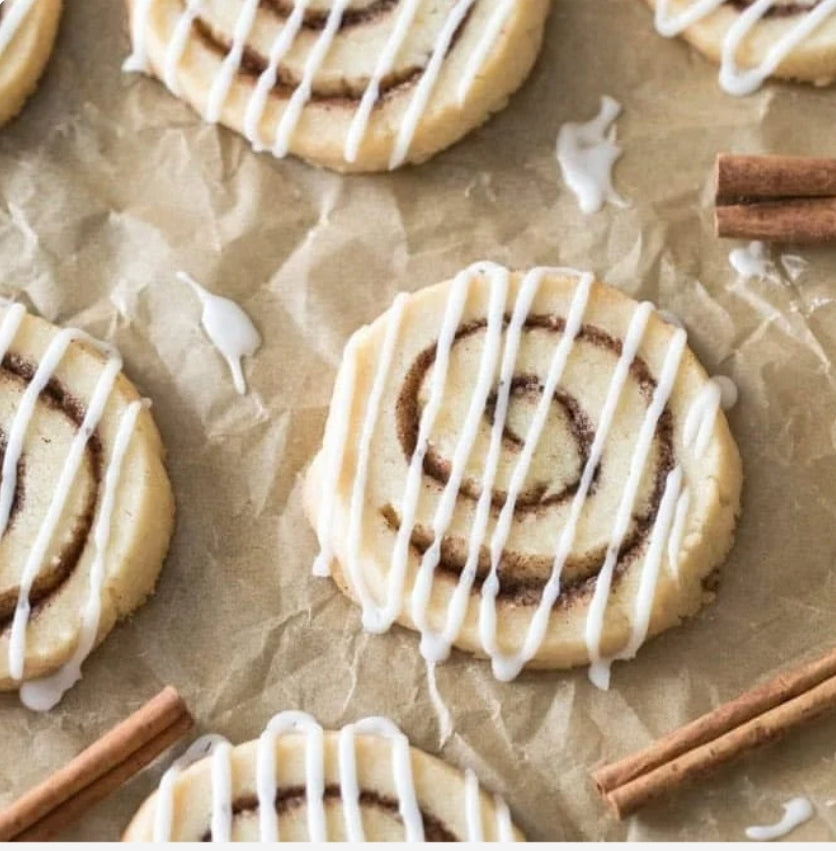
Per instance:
(732,79)
(282,44)
(293,723)
(138,59)
(177,45)
(476,60)
(796,812)
(500,351)
(23,415)
(302,94)
(445,718)
(420,98)
(473,807)
(267,79)
(335,444)
(506,668)
(164,803)
(587,153)
(228,327)
(10,23)
(232,61)
(599,670)
(385,62)
(358,494)
(45,693)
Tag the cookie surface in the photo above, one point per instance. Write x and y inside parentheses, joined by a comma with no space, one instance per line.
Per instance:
(352,85)
(86,509)
(27,34)
(361,783)
(746,41)
(530,467)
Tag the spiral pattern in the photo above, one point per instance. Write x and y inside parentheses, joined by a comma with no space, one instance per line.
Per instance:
(85,504)
(531,467)
(298,782)
(355,85)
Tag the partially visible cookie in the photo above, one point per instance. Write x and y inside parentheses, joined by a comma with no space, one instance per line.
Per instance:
(27,34)
(531,467)
(352,85)
(86,509)
(300,783)
(791,39)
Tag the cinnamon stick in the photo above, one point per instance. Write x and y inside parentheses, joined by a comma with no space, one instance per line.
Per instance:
(806,221)
(759,716)
(97,771)
(775,198)
(773,176)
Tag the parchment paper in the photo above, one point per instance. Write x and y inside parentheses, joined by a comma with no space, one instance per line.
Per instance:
(108,185)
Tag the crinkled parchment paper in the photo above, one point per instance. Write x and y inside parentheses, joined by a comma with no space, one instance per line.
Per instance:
(108,185)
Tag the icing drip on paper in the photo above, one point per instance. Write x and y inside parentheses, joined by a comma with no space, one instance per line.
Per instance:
(228,327)
(301,95)
(14,449)
(587,153)
(736,81)
(445,718)
(796,812)
(45,693)
(504,324)
(292,723)
(752,261)
(11,21)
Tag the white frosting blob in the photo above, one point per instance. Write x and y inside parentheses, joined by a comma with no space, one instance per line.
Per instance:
(796,812)
(587,153)
(228,327)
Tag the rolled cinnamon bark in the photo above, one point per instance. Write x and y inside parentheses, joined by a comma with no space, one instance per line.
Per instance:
(756,717)
(805,221)
(774,176)
(98,770)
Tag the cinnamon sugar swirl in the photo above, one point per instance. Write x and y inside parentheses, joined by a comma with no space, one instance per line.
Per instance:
(352,85)
(27,34)
(85,504)
(531,467)
(756,39)
(298,782)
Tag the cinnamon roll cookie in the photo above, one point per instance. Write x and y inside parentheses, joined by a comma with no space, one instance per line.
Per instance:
(298,782)
(85,505)
(531,467)
(756,39)
(352,85)
(27,34)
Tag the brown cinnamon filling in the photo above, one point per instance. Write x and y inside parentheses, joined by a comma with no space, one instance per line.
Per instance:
(522,576)
(295,796)
(53,575)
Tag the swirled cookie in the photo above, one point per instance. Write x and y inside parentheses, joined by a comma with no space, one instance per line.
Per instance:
(85,504)
(27,34)
(298,782)
(352,85)
(756,39)
(530,467)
